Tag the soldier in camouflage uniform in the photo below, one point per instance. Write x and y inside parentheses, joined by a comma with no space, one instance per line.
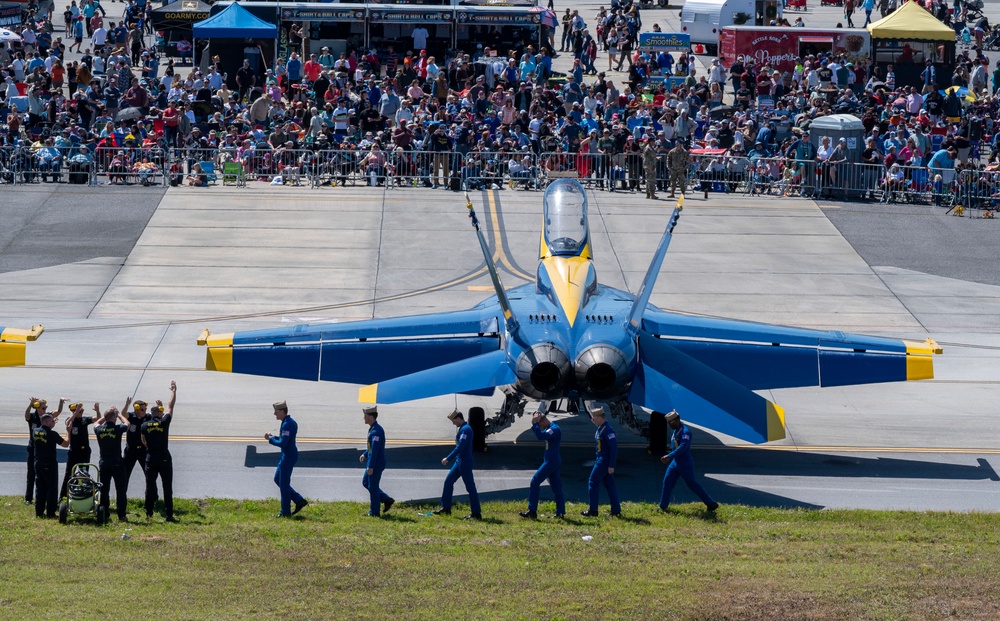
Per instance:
(649,165)
(678,162)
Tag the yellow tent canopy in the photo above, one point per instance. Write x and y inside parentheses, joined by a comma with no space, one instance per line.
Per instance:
(911,22)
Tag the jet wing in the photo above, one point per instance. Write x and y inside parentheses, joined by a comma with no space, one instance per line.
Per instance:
(361,352)
(763,356)
(13,344)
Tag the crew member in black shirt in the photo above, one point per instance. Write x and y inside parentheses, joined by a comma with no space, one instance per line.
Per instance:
(135,450)
(33,416)
(155,435)
(111,467)
(46,469)
(79,442)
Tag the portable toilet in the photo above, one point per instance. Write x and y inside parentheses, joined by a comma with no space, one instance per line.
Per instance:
(838,126)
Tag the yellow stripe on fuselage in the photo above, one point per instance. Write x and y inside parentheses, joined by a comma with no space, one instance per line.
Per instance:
(219,355)
(569,280)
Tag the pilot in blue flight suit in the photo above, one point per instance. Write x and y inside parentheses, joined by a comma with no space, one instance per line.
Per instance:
(604,466)
(285,440)
(374,460)
(681,464)
(462,454)
(548,432)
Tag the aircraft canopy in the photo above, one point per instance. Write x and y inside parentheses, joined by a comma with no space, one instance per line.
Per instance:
(565,205)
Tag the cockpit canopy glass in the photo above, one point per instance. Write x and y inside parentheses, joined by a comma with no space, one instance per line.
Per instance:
(565,205)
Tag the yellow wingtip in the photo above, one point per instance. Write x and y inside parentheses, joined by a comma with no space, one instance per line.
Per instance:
(14,335)
(368,394)
(920,359)
(203,337)
(12,354)
(219,359)
(775,422)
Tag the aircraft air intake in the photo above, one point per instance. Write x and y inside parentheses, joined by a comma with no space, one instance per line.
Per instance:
(543,372)
(602,371)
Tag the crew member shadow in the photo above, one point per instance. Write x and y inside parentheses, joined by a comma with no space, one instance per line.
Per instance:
(639,475)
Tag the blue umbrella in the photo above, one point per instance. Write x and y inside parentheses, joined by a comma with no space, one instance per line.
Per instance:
(547,16)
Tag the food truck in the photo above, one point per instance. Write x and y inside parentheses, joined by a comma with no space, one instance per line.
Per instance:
(781,46)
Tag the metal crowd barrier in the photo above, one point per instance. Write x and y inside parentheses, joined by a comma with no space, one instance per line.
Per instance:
(971,188)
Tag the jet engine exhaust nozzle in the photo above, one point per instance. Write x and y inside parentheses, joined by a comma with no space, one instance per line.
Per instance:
(601,371)
(543,372)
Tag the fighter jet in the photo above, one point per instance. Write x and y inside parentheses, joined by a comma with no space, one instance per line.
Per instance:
(13,344)
(568,338)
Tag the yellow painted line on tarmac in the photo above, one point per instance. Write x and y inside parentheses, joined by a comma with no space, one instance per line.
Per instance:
(480,287)
(500,255)
(787,448)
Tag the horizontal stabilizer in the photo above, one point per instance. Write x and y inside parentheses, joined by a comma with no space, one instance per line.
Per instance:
(470,375)
(668,379)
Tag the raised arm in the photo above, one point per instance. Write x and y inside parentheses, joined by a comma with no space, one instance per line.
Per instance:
(173,398)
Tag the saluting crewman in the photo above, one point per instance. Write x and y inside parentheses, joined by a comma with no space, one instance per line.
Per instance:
(462,454)
(374,460)
(33,416)
(549,433)
(155,437)
(604,465)
(46,469)
(79,442)
(111,467)
(285,440)
(681,464)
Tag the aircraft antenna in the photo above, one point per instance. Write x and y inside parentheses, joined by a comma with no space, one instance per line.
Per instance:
(508,314)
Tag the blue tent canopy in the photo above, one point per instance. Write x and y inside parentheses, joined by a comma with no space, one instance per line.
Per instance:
(234,22)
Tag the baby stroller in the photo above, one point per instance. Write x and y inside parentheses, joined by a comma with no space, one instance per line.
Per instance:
(84,496)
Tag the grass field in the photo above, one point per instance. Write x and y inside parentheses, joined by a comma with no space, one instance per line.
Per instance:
(234,560)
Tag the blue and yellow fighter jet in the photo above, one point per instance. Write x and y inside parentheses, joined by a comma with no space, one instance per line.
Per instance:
(13,343)
(568,337)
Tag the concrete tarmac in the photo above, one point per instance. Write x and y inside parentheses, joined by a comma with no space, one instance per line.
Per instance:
(124,323)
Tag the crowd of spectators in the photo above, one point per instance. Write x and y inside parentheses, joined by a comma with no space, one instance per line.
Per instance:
(497,115)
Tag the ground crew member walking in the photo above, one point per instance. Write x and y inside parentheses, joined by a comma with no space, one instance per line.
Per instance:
(111,467)
(649,165)
(79,442)
(33,416)
(155,436)
(285,440)
(462,454)
(135,450)
(46,469)
(678,162)
(548,432)
(604,466)
(374,460)
(681,464)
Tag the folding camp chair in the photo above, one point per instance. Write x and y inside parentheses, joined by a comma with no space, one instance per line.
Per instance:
(209,169)
(232,172)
